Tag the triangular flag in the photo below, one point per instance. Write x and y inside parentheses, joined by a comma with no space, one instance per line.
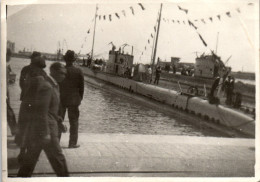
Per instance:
(191,24)
(110,18)
(228,14)
(182,9)
(132,9)
(205,44)
(117,15)
(218,17)
(211,19)
(141,6)
(104,17)
(123,11)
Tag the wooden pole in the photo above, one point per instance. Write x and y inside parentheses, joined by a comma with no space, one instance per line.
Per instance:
(92,50)
(156,41)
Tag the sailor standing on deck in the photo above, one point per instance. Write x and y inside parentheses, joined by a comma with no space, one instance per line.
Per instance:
(71,94)
(157,75)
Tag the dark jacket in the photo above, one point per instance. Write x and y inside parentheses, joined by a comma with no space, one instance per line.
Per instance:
(38,115)
(72,87)
(26,73)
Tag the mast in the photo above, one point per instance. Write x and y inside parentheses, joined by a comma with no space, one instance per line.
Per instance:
(153,44)
(93,42)
(156,41)
(217,44)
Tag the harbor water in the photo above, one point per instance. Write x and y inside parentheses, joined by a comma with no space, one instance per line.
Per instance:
(106,112)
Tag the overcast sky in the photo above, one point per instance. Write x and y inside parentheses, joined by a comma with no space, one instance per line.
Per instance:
(41,27)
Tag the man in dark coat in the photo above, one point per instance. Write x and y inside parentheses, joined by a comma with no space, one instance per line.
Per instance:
(42,130)
(229,84)
(157,75)
(34,68)
(71,94)
(28,81)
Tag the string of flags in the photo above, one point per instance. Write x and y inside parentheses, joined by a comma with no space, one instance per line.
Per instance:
(210,19)
(120,14)
(148,41)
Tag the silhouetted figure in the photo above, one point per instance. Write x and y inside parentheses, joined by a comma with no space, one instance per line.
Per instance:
(71,94)
(157,75)
(229,86)
(212,98)
(28,83)
(42,133)
(34,68)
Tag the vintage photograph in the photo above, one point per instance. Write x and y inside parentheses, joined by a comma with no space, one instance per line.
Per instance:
(130,89)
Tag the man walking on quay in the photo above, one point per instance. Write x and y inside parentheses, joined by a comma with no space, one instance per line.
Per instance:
(28,81)
(42,115)
(72,90)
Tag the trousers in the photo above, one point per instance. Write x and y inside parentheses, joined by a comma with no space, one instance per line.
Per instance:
(73,115)
(53,152)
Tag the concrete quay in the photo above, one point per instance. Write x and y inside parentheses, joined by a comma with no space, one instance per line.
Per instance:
(149,156)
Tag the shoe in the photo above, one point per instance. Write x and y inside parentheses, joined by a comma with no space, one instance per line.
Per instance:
(74,146)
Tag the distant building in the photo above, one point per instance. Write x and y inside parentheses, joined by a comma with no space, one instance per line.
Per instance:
(163,64)
(49,56)
(118,62)
(175,61)
(11,46)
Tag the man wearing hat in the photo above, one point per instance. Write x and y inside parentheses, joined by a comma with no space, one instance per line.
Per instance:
(28,83)
(34,68)
(71,94)
(43,121)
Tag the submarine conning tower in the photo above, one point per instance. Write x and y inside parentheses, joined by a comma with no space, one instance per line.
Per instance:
(209,66)
(118,62)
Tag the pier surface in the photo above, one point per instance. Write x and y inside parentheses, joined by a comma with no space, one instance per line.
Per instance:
(149,155)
